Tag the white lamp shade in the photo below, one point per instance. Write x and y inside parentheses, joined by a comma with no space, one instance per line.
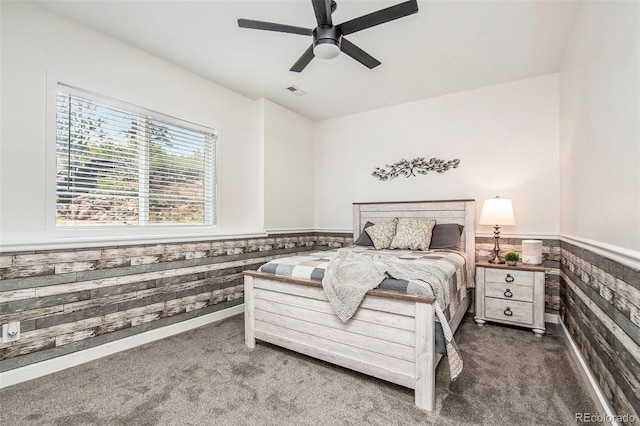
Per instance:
(497,211)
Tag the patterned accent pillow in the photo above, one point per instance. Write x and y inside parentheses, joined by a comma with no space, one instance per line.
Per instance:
(413,234)
(382,234)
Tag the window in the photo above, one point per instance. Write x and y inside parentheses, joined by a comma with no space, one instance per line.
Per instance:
(118,164)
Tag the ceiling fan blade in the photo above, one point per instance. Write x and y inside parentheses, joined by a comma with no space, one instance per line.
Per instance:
(270,26)
(380,17)
(358,54)
(322,8)
(304,60)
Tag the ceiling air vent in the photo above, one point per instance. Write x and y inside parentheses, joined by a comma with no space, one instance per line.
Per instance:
(296,90)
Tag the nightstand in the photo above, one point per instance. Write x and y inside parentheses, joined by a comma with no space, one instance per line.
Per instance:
(510,295)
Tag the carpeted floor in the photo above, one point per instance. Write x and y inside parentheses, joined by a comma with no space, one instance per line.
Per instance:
(208,377)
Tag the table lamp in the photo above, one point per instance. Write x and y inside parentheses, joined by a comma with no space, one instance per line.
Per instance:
(497,212)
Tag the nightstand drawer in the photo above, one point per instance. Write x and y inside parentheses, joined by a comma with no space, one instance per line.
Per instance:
(509,292)
(509,276)
(508,310)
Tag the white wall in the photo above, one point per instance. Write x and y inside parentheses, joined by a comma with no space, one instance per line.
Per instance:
(506,138)
(37,43)
(600,126)
(288,168)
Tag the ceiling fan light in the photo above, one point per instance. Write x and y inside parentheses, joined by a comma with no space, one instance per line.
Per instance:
(326,50)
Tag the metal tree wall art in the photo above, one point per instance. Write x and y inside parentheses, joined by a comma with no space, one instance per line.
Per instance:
(417,165)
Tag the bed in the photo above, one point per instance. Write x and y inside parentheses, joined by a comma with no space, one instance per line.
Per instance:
(391,336)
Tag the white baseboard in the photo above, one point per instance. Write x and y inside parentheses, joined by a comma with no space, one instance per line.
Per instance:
(28,372)
(602,401)
(551,318)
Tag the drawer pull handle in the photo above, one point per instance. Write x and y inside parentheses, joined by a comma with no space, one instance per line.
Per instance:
(509,278)
(508,312)
(508,293)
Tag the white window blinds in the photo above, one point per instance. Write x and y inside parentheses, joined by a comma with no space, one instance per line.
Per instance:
(118,164)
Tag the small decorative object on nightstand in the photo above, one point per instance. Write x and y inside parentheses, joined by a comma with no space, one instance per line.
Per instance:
(510,295)
(511,258)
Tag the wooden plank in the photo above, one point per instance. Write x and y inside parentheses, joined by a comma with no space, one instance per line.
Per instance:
(469,233)
(455,321)
(64,268)
(26,271)
(425,395)
(357,222)
(249,312)
(379,346)
(145,318)
(413,205)
(56,330)
(538,303)
(56,257)
(128,279)
(76,336)
(225,265)
(76,286)
(440,216)
(143,310)
(272,283)
(144,260)
(362,314)
(6,261)
(31,314)
(378,298)
(129,252)
(479,313)
(393,366)
(9,296)
(390,334)
(42,302)
(22,348)
(101,301)
(521,266)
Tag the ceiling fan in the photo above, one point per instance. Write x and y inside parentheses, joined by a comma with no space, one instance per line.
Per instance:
(328,39)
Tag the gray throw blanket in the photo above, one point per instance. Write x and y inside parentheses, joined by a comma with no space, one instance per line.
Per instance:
(350,275)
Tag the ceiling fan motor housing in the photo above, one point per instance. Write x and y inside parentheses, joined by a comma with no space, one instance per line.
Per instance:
(326,41)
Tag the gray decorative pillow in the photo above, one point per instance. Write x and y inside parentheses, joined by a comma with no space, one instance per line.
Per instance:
(413,234)
(446,236)
(364,239)
(382,234)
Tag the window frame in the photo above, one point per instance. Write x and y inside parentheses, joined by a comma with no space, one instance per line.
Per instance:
(119,100)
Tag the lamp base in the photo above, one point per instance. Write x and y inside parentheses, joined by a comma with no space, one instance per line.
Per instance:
(496,246)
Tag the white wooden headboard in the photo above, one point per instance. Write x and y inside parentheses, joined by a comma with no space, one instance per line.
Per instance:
(462,212)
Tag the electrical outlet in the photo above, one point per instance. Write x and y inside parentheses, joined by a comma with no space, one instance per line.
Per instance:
(10,331)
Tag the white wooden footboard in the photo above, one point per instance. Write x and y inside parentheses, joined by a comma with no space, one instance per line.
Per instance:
(391,336)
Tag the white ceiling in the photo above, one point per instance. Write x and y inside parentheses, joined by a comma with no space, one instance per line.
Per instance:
(447,47)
